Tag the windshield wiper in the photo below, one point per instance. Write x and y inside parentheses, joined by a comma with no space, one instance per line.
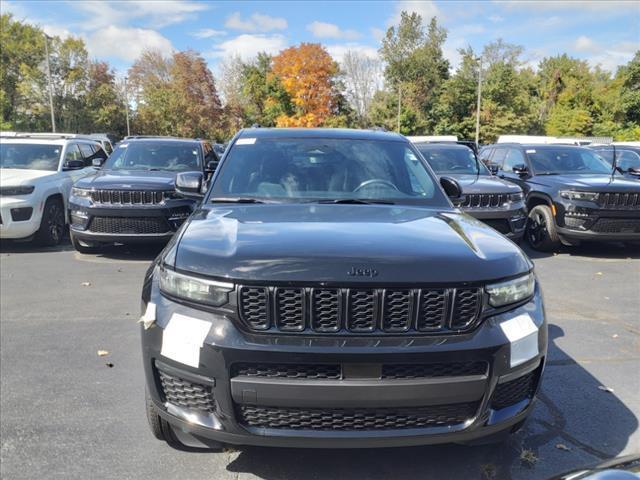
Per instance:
(547,173)
(235,200)
(355,201)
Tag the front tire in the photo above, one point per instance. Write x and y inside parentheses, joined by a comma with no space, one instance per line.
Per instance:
(52,224)
(160,428)
(541,229)
(82,246)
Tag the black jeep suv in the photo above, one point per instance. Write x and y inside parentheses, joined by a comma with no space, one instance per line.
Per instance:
(571,193)
(496,202)
(326,293)
(132,198)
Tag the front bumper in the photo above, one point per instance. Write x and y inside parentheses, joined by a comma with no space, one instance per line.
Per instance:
(249,409)
(17,229)
(510,222)
(126,224)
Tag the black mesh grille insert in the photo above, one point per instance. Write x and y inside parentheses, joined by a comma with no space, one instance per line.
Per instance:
(510,393)
(285,370)
(325,310)
(432,310)
(431,370)
(290,309)
(475,200)
(186,394)
(254,307)
(362,311)
(619,201)
(465,307)
(338,419)
(129,225)
(397,311)
(617,225)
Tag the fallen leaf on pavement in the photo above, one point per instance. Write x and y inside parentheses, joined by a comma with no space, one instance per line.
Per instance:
(103,353)
(528,456)
(109,364)
(598,273)
(615,335)
(86,284)
(562,446)
(606,389)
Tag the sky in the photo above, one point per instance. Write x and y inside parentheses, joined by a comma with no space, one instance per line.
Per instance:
(605,33)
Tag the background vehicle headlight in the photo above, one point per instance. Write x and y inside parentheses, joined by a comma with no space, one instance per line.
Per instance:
(590,196)
(17,190)
(511,291)
(194,289)
(516,197)
(80,192)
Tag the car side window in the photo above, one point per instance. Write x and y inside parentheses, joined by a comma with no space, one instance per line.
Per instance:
(72,153)
(485,155)
(514,157)
(87,153)
(607,154)
(108,148)
(498,157)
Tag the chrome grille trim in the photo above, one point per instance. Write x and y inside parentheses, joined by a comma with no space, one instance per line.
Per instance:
(619,201)
(359,310)
(484,200)
(129,197)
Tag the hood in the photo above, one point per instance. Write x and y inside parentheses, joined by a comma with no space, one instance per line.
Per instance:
(485,184)
(589,183)
(129,180)
(322,243)
(10,177)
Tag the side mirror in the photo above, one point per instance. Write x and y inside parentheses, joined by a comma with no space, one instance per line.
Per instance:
(521,170)
(74,165)
(189,184)
(451,188)
(635,171)
(97,162)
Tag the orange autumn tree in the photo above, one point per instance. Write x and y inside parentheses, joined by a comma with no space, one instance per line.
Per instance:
(307,74)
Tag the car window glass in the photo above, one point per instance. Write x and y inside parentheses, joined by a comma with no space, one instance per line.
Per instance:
(72,153)
(108,148)
(513,158)
(87,153)
(563,160)
(172,156)
(312,168)
(607,154)
(498,156)
(30,156)
(448,160)
(626,159)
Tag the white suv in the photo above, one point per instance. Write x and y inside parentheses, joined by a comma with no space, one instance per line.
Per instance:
(36,175)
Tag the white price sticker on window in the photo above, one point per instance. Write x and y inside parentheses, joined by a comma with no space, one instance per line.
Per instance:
(246,141)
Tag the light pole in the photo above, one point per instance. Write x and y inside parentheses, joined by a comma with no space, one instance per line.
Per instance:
(46,52)
(399,103)
(126,105)
(478,105)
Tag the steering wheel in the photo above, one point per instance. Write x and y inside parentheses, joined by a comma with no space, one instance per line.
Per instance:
(372,181)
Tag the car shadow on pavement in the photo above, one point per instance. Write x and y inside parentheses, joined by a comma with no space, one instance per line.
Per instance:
(574,424)
(12,246)
(607,250)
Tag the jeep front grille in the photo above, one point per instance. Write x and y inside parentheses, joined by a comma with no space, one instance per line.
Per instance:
(128,197)
(619,201)
(484,200)
(359,310)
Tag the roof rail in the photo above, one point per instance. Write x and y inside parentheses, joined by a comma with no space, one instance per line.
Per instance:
(256,125)
(432,138)
(51,136)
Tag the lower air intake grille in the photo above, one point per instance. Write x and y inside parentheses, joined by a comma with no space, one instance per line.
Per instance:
(276,370)
(431,370)
(129,225)
(338,419)
(183,393)
(510,393)
(617,225)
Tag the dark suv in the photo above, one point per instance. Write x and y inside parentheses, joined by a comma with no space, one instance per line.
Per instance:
(571,193)
(326,293)
(498,203)
(132,198)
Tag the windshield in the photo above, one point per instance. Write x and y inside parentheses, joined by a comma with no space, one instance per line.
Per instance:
(625,159)
(550,161)
(30,156)
(173,156)
(316,169)
(452,160)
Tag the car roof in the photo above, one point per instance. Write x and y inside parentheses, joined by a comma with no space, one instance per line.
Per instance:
(47,141)
(537,146)
(321,133)
(161,140)
(440,145)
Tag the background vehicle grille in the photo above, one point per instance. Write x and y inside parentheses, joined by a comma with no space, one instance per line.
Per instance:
(337,419)
(128,197)
(129,225)
(619,201)
(359,310)
(186,394)
(510,393)
(484,200)
(616,225)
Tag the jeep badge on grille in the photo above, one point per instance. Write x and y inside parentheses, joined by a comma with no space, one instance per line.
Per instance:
(362,272)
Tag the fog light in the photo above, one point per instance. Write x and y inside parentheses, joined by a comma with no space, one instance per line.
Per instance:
(21,214)
(574,222)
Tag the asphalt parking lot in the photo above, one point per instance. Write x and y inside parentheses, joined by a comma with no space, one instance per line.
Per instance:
(68,413)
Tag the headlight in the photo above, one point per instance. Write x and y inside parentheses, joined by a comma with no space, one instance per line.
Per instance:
(511,291)
(571,195)
(516,197)
(17,190)
(80,192)
(194,289)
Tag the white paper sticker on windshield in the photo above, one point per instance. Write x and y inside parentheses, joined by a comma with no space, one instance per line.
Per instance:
(123,145)
(182,339)
(246,141)
(531,151)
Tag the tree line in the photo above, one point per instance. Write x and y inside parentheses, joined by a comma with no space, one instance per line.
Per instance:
(410,87)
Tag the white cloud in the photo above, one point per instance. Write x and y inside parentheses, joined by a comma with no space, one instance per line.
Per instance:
(56,31)
(208,33)
(377,33)
(609,7)
(330,30)
(585,44)
(338,51)
(425,8)
(495,18)
(125,43)
(154,13)
(247,46)
(257,22)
